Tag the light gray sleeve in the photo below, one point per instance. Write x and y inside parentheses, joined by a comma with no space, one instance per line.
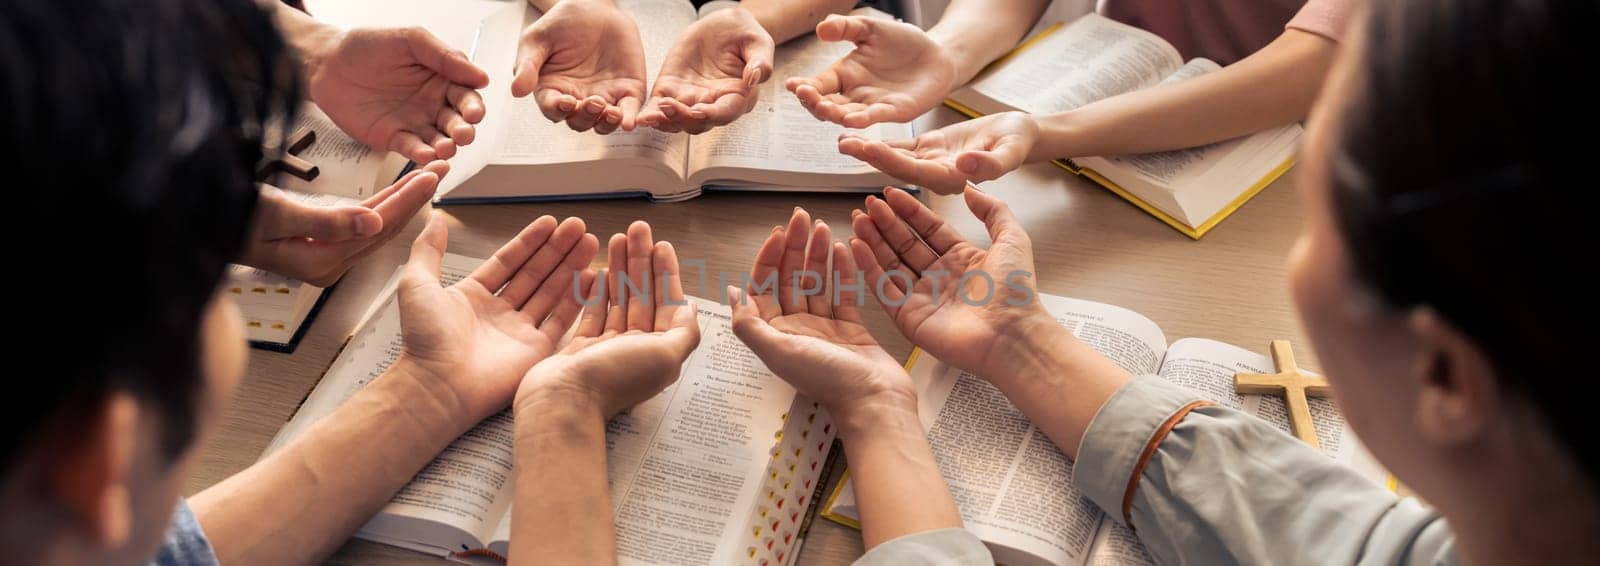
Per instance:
(1205,484)
(944,547)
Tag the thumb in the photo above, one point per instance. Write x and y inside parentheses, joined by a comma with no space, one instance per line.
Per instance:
(285,217)
(756,333)
(854,29)
(997,217)
(985,165)
(454,65)
(526,74)
(758,62)
(427,252)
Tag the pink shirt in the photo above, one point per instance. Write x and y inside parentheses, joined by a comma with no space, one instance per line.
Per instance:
(1227,30)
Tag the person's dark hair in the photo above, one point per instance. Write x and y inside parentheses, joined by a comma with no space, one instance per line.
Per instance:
(1462,180)
(131,130)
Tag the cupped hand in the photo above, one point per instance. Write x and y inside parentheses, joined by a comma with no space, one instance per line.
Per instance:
(895,73)
(584,64)
(710,76)
(809,331)
(967,306)
(317,244)
(478,337)
(633,338)
(946,159)
(399,89)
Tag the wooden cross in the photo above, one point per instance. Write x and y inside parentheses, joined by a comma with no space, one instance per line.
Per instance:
(1293,385)
(289,160)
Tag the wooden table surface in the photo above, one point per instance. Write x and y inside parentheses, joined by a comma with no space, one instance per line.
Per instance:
(1088,244)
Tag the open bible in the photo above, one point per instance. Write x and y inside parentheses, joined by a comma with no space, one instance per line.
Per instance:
(1069,66)
(722,467)
(521,155)
(1014,487)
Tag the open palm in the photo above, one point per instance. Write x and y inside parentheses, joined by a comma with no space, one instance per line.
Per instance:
(401,90)
(710,75)
(946,159)
(895,73)
(626,348)
(814,341)
(481,334)
(955,300)
(584,64)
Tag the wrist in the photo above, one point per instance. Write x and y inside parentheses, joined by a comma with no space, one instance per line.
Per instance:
(425,397)
(883,410)
(1058,136)
(547,406)
(961,52)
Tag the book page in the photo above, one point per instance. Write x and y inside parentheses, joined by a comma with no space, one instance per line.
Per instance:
(1090,59)
(273,306)
(346,168)
(779,134)
(1208,367)
(685,466)
(1011,483)
(1118,546)
(534,139)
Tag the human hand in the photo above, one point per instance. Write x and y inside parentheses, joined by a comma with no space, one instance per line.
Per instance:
(584,64)
(317,244)
(816,341)
(946,159)
(475,339)
(398,89)
(967,306)
(895,74)
(627,348)
(710,75)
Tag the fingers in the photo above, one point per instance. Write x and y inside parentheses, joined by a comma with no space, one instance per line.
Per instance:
(283,217)
(616,270)
(445,60)
(817,296)
(900,238)
(794,260)
(824,83)
(870,114)
(587,113)
(467,102)
(558,285)
(567,309)
(641,303)
(669,285)
(443,147)
(891,290)
(880,253)
(938,234)
(533,272)
(628,111)
(427,252)
(593,322)
(449,121)
(846,297)
(554,104)
(410,145)
(498,269)
(758,53)
(723,111)
(903,165)
(764,282)
(414,193)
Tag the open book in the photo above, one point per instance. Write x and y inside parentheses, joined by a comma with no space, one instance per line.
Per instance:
(521,155)
(276,309)
(1069,66)
(1014,487)
(722,467)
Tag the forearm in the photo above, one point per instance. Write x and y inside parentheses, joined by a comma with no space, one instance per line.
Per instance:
(1058,381)
(561,441)
(898,486)
(787,19)
(1271,87)
(308,36)
(299,504)
(976,32)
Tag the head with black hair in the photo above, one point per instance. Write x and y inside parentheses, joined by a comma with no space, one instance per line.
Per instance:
(1436,274)
(133,127)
